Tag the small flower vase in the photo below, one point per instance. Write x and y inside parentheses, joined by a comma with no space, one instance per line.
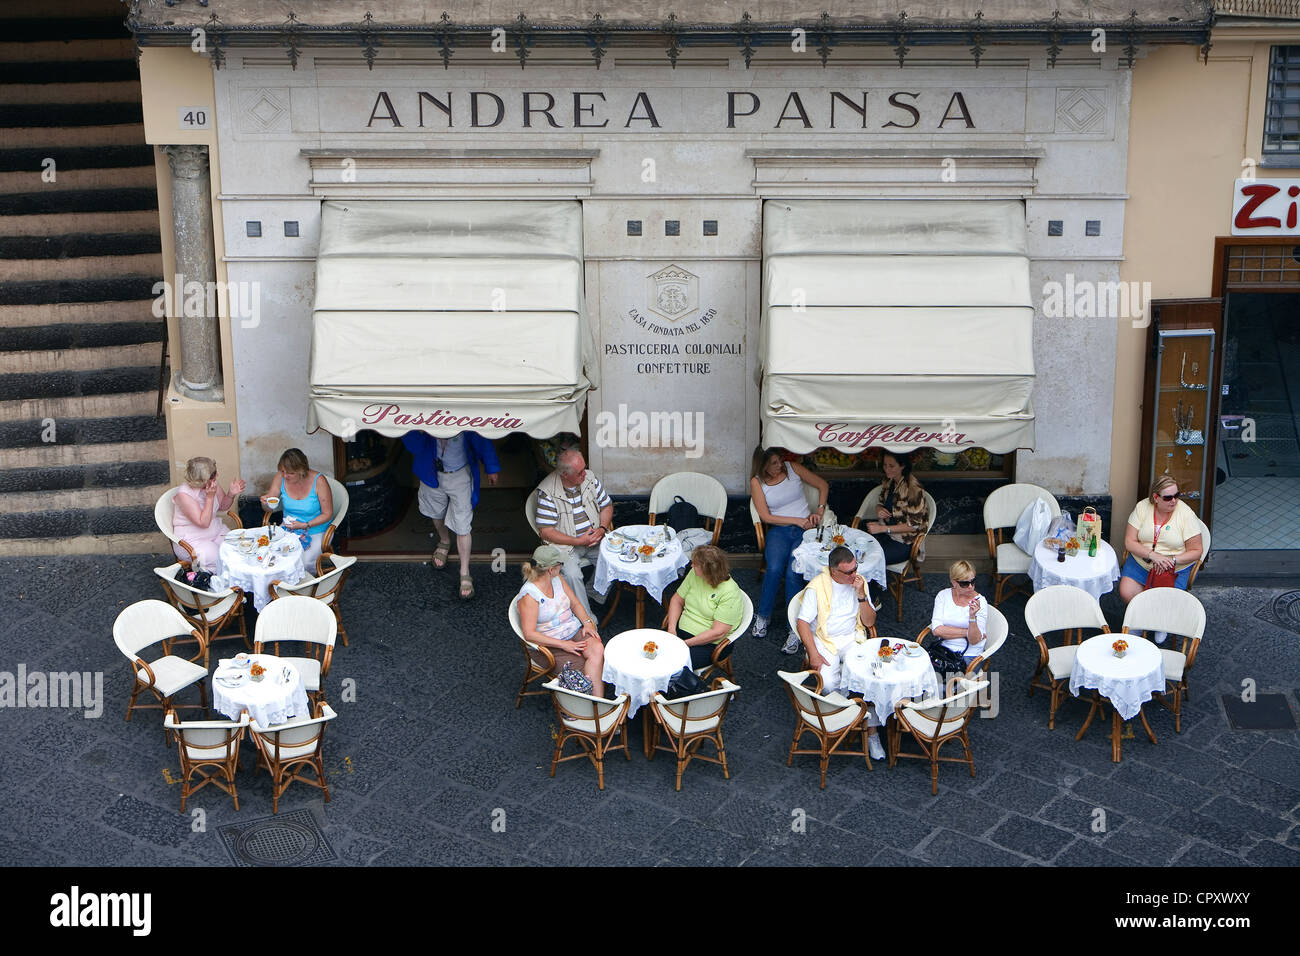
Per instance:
(256,678)
(1120,653)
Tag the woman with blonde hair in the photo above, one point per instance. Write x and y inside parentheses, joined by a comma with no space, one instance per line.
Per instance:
(196,511)
(551,617)
(707,605)
(305,497)
(1164,536)
(960,617)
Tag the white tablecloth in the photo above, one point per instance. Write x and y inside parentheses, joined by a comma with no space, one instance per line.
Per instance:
(904,676)
(653,575)
(634,674)
(246,571)
(269,701)
(1127,682)
(809,558)
(1094,575)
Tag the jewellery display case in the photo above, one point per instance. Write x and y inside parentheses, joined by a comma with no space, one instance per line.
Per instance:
(1178,437)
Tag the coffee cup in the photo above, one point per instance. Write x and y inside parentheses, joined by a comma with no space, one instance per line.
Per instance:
(273,502)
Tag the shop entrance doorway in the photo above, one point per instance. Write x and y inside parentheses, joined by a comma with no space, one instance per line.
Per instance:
(384,519)
(1258,460)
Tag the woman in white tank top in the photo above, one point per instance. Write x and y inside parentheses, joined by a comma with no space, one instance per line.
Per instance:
(776,487)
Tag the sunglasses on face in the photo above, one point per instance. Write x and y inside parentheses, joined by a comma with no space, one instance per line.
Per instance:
(1174,497)
(965,584)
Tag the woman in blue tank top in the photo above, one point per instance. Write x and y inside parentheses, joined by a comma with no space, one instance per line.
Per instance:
(308,505)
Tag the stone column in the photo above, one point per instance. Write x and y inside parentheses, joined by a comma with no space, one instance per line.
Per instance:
(199,375)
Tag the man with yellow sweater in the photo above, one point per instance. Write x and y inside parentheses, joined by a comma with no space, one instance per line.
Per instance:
(834,611)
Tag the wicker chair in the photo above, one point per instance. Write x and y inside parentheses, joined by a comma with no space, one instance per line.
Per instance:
(288,750)
(688,722)
(594,722)
(164,512)
(305,621)
(339,496)
(1060,608)
(151,622)
(207,744)
(207,611)
(932,725)
(539,662)
(830,718)
(703,491)
(1002,509)
(326,588)
(1175,612)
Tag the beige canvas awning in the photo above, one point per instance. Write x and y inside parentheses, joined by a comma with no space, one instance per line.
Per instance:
(897,325)
(450,315)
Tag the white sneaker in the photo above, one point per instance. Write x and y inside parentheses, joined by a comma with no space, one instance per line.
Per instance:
(873,747)
(1160,636)
(792,645)
(760,627)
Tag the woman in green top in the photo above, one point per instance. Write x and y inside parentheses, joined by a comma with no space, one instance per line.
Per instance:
(707,606)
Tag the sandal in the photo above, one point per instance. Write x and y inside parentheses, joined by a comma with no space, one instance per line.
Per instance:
(466,587)
(440,553)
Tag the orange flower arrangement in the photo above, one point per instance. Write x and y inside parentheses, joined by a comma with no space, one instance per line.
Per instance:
(263,541)
(256,671)
(1120,646)
(646,549)
(650,647)
(838,539)
(885,652)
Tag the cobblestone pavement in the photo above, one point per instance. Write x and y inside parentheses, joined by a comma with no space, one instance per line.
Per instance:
(432,763)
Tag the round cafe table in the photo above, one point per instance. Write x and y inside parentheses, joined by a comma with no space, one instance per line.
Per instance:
(613,564)
(278,697)
(810,557)
(1127,682)
(253,572)
(884,686)
(634,674)
(1094,575)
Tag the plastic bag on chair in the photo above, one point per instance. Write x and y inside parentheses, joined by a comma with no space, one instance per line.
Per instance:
(1033,526)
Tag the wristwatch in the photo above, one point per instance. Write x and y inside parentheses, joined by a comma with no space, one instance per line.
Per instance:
(862,600)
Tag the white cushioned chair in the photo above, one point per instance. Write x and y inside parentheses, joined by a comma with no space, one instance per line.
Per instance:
(1002,509)
(339,494)
(932,724)
(164,513)
(288,750)
(688,722)
(703,491)
(152,622)
(210,750)
(304,621)
(539,662)
(830,718)
(594,722)
(1060,608)
(1177,613)
(207,611)
(326,588)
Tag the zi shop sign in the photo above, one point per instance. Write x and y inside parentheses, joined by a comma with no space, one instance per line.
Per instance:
(1266,207)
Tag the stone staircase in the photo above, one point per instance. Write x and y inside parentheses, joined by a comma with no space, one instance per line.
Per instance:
(83,456)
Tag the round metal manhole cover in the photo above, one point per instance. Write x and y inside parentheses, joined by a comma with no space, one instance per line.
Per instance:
(1286,607)
(290,839)
(276,844)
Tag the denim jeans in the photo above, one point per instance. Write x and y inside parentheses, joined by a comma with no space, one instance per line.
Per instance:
(780,542)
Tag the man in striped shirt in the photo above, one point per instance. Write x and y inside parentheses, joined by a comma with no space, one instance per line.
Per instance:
(574,513)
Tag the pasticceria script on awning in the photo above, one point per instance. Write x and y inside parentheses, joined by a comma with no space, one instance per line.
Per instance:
(745,109)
